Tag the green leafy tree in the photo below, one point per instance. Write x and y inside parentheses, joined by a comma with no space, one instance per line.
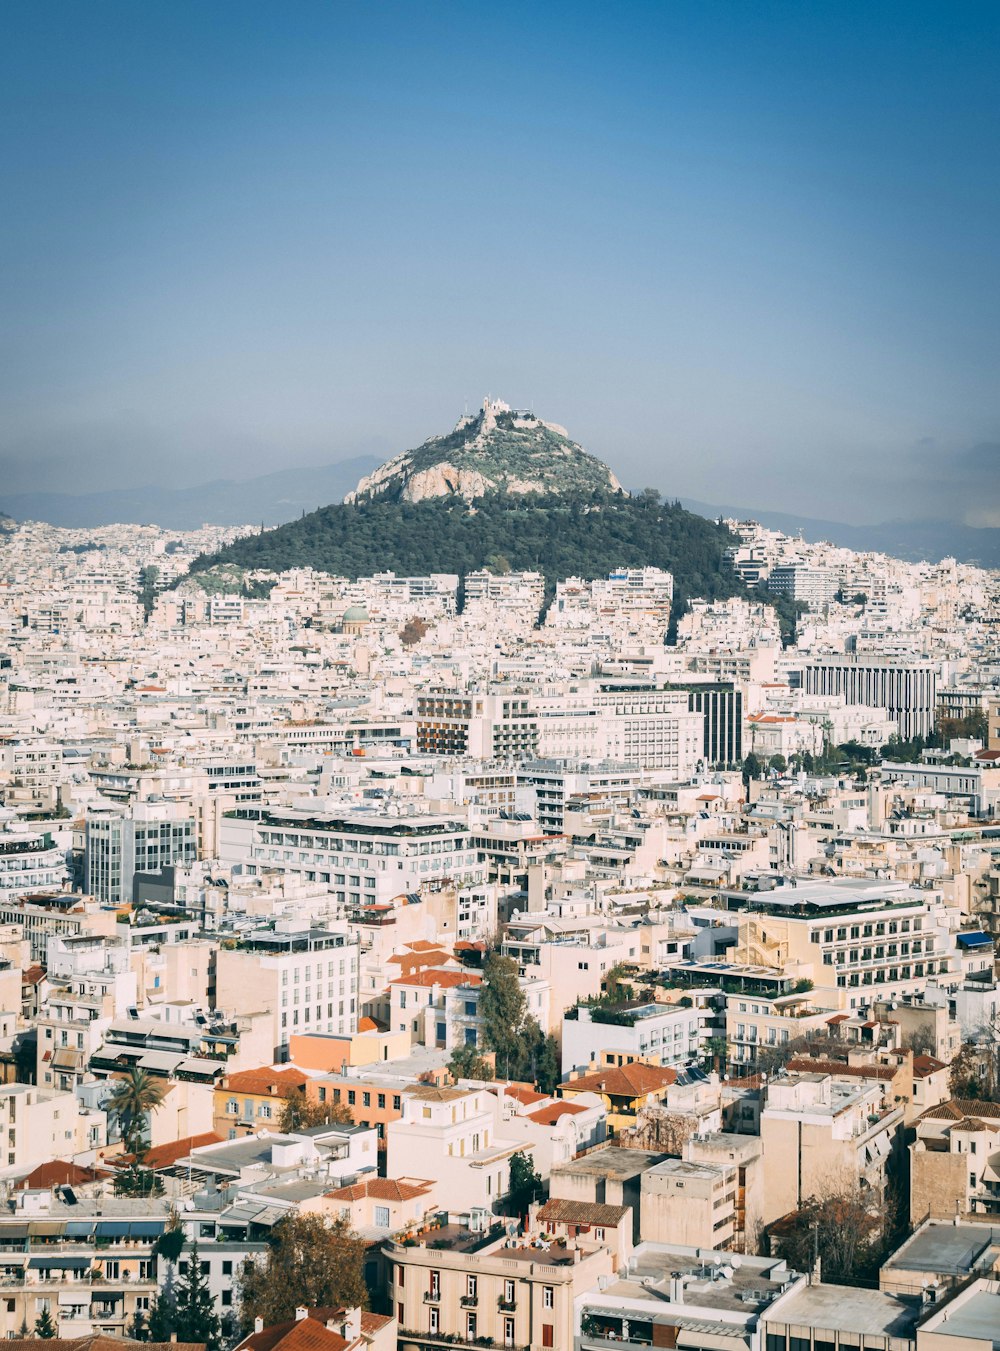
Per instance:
(134,1097)
(136,1181)
(716,1051)
(309,1263)
(148,577)
(779,763)
(197,1320)
(503,1012)
(162,1318)
(467,1063)
(525,1183)
(45,1327)
(298,1114)
(751,769)
(574,533)
(614,986)
(547,1068)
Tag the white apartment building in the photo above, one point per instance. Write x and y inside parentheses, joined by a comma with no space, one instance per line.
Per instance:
(306,979)
(361,856)
(143,838)
(659,1034)
(856,939)
(30,863)
(449,1134)
(652,728)
(38,1125)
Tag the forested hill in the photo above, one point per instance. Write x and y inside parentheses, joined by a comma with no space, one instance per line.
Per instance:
(560,536)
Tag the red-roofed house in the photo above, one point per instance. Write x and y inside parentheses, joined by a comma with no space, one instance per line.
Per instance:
(624,1090)
(424,1002)
(378,1207)
(251,1100)
(324,1330)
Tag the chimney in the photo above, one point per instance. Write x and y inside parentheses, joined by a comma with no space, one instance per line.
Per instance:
(258,1325)
(300,1313)
(351,1327)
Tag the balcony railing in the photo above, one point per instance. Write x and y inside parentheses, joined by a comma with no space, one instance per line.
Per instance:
(506,1305)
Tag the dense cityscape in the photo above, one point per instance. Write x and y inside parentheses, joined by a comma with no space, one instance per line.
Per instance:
(498,959)
(499,675)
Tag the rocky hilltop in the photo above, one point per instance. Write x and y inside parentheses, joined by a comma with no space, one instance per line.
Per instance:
(497,450)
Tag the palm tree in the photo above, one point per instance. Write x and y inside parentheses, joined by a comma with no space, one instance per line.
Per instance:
(134,1097)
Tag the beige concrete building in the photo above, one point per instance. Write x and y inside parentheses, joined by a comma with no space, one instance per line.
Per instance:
(683,1297)
(305,979)
(605,1176)
(515,1295)
(820,1317)
(857,940)
(724,1149)
(820,1136)
(969,1322)
(955,1161)
(692,1205)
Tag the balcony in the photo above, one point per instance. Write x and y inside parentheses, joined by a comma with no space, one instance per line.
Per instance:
(506,1305)
(469,1301)
(432,1296)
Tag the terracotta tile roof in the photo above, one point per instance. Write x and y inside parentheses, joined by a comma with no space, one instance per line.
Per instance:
(955,1109)
(446,979)
(550,1114)
(923,1065)
(803,1065)
(302,1334)
(164,1155)
(367,1025)
(56,1173)
(32,975)
(99,1341)
(373,1322)
(624,1081)
(582,1212)
(383,1189)
(747,1081)
(277,1083)
(525,1096)
(976,1124)
(422,961)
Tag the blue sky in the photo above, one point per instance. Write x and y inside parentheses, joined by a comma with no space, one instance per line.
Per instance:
(745,252)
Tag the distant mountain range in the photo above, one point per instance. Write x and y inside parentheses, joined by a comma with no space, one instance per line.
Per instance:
(272,498)
(913,541)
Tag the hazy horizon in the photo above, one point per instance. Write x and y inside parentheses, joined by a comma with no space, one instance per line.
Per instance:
(721,244)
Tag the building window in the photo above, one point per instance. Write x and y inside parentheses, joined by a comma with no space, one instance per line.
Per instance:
(548,1296)
(382,1217)
(470,1326)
